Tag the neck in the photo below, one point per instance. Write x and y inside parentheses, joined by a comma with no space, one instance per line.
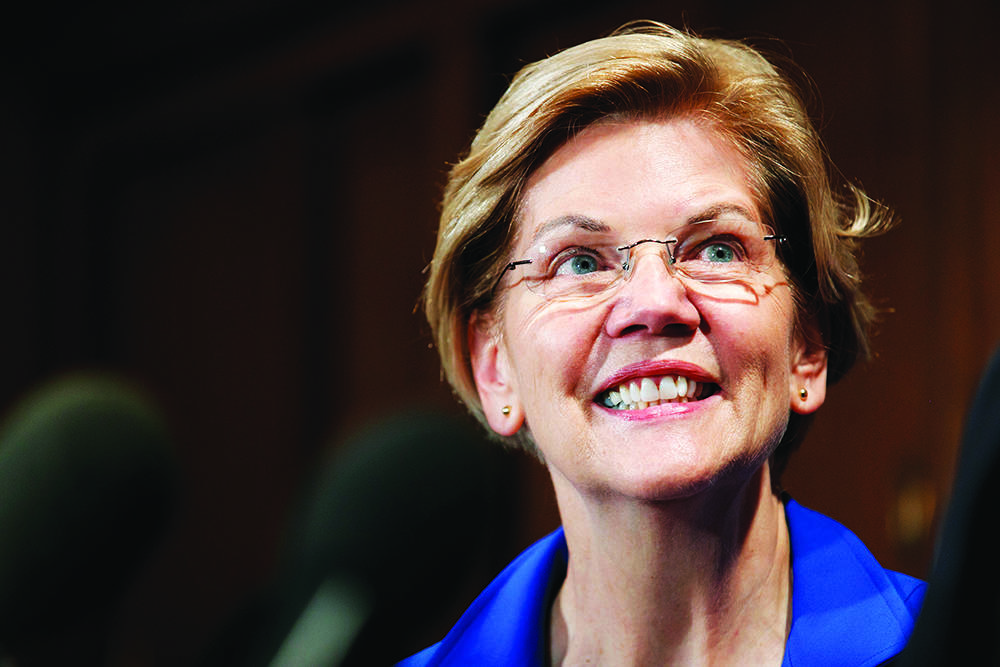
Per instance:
(674,582)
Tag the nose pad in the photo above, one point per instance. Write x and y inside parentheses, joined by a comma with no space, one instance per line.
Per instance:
(656,302)
(652,246)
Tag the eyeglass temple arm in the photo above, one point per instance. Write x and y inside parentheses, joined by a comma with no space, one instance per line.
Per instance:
(509,267)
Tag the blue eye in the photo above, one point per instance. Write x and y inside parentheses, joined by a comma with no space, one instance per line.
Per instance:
(582,264)
(577,262)
(720,253)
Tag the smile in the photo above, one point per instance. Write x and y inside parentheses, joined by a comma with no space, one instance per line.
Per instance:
(641,393)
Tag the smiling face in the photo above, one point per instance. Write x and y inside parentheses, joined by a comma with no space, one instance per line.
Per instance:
(658,386)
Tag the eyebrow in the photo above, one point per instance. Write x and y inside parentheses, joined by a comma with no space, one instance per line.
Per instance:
(586,223)
(713,212)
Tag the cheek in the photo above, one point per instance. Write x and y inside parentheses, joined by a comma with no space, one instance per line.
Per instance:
(757,344)
(550,346)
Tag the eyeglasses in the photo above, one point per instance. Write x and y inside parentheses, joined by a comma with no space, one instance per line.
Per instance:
(718,256)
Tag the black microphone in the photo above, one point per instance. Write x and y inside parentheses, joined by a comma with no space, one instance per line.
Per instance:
(961,611)
(396,533)
(87,483)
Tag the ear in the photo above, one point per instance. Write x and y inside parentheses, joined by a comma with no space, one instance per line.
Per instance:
(808,372)
(492,374)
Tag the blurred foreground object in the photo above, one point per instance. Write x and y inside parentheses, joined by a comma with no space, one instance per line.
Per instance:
(395,535)
(961,613)
(87,484)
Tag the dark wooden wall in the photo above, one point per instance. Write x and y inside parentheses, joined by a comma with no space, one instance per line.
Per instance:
(233,202)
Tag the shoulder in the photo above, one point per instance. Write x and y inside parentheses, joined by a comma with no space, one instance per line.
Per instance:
(844,602)
(506,623)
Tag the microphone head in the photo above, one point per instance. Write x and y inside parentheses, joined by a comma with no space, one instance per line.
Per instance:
(87,482)
(402,498)
(401,527)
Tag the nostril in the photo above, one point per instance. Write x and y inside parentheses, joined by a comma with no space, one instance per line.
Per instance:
(653,301)
(674,330)
(635,328)
(677,330)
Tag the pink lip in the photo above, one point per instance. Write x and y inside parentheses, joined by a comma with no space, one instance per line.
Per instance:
(651,368)
(661,411)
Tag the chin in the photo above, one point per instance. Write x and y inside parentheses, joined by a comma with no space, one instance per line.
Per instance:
(673,480)
(666,488)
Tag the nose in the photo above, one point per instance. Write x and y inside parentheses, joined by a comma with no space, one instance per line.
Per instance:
(652,298)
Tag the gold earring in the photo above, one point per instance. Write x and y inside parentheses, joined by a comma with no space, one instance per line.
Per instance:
(505,410)
(803,394)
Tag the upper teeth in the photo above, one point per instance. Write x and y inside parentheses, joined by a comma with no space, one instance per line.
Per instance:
(641,393)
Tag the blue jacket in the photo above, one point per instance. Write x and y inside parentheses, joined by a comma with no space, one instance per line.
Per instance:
(847,610)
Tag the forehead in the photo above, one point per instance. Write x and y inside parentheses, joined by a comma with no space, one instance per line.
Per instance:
(637,177)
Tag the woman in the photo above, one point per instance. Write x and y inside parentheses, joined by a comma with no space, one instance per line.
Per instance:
(643,276)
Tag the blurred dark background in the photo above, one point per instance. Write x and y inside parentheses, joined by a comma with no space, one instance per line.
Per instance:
(232,204)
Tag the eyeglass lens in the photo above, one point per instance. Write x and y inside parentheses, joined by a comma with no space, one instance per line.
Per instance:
(578,263)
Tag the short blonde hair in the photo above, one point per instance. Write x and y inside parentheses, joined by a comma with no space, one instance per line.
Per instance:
(642,71)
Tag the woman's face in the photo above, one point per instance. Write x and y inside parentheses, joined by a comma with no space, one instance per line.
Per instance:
(555,362)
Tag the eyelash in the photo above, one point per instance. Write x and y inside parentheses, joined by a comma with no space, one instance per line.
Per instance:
(560,259)
(732,244)
(564,256)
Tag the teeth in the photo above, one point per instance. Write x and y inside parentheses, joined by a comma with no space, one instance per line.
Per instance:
(649,391)
(639,394)
(668,388)
(682,386)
